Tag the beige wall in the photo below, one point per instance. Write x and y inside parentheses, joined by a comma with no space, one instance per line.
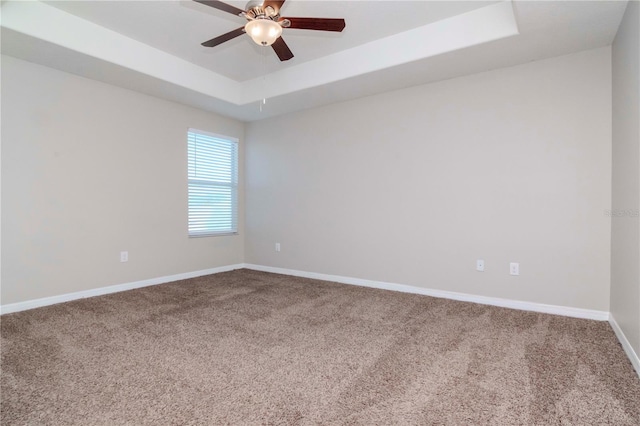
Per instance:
(409,187)
(89,170)
(625,229)
(412,186)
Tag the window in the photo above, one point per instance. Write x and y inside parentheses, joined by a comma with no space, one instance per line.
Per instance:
(213,184)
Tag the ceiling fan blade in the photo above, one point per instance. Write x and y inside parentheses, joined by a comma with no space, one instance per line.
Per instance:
(224,37)
(322,24)
(273,3)
(282,50)
(221,6)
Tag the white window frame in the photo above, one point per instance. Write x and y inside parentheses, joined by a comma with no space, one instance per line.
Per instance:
(204,217)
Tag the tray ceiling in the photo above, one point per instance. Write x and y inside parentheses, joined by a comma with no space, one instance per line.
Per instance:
(154,46)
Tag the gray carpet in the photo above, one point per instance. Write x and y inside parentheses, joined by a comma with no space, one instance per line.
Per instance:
(247,347)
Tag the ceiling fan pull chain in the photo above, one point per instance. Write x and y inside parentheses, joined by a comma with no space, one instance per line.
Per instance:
(264,79)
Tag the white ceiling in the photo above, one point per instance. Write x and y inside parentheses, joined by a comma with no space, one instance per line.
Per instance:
(154,46)
(179,28)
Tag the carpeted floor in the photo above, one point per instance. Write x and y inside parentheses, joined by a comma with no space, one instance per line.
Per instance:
(247,347)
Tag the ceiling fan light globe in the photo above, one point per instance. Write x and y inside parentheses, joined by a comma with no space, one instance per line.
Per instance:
(263,31)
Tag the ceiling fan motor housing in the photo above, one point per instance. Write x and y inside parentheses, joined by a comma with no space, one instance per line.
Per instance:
(256,10)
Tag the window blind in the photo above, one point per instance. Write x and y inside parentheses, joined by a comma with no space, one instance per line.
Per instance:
(213,184)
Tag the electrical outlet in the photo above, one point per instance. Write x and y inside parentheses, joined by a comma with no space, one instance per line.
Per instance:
(124,256)
(514,268)
(480,265)
(277,246)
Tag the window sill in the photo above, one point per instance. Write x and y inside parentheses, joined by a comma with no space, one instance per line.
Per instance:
(218,234)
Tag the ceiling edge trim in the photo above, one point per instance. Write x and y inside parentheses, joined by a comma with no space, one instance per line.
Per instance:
(476,27)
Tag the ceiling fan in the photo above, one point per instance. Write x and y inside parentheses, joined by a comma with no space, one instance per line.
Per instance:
(265,24)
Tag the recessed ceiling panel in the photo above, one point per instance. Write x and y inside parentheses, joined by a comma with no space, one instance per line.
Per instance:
(178,28)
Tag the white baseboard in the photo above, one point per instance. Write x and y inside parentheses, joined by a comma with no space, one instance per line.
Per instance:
(633,357)
(494,301)
(46,301)
(484,300)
